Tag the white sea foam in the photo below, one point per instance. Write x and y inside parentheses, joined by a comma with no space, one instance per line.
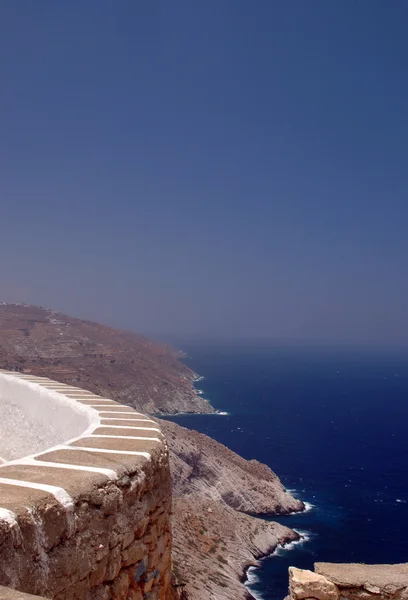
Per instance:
(223,413)
(308,505)
(281,549)
(251,579)
(305,536)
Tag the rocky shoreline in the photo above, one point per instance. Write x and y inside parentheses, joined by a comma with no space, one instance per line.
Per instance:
(255,564)
(219,500)
(284,542)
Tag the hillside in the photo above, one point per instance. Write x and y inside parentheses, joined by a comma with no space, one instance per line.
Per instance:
(143,373)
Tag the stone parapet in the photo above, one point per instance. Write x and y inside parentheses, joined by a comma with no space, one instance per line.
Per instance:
(87,518)
(335,581)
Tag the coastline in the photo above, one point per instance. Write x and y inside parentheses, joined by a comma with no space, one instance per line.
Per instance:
(249,574)
(260,427)
(293,538)
(256,547)
(200,393)
(215,413)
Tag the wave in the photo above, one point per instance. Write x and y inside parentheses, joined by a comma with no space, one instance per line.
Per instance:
(251,579)
(305,536)
(251,574)
(308,505)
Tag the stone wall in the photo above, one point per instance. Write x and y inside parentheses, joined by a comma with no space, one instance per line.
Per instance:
(88,518)
(332,581)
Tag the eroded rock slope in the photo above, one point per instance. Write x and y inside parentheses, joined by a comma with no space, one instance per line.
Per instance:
(213,488)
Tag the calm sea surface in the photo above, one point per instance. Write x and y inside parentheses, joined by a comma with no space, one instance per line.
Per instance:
(333,424)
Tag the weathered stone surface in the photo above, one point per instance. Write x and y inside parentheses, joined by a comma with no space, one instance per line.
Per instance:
(306,584)
(10,594)
(127,539)
(353,581)
(114,564)
(95,534)
(374,578)
(120,586)
(133,553)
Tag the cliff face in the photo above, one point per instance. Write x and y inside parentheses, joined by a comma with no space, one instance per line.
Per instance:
(214,541)
(213,545)
(206,468)
(216,493)
(139,372)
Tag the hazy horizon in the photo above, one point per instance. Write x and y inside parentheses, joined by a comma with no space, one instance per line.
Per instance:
(230,170)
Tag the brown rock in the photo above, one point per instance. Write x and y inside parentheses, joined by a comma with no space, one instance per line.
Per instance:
(133,553)
(9,594)
(141,526)
(306,584)
(135,595)
(98,575)
(127,539)
(114,564)
(120,586)
(367,582)
(357,574)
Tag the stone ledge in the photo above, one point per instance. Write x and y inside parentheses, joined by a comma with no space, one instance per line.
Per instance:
(349,581)
(358,574)
(87,518)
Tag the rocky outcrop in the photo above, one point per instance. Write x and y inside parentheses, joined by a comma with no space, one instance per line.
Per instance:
(142,373)
(306,584)
(210,471)
(332,581)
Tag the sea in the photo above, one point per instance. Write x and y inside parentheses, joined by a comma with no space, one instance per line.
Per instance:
(333,424)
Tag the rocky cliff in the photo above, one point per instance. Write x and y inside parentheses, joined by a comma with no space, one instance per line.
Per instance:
(217,494)
(204,467)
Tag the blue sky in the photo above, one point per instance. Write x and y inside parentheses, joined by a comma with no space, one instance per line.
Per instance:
(218,168)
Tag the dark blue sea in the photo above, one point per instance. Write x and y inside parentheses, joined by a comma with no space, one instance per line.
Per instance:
(333,424)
